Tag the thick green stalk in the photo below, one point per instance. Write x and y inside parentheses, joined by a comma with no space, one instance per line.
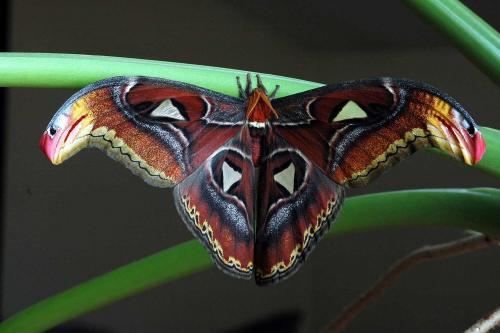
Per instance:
(472,35)
(475,209)
(45,70)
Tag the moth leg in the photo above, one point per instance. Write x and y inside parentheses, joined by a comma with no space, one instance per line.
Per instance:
(249,85)
(260,84)
(240,88)
(273,94)
(263,87)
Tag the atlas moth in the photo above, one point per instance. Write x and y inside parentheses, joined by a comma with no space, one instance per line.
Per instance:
(257,179)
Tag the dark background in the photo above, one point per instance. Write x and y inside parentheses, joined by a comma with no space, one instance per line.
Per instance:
(64,225)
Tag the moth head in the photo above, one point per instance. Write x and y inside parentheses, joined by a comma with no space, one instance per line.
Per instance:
(67,133)
(463,138)
(259,108)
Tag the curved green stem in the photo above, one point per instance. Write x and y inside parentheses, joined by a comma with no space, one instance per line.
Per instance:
(475,209)
(455,208)
(45,70)
(472,35)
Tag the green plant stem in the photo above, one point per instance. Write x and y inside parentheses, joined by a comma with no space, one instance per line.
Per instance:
(473,36)
(475,209)
(45,70)
(75,71)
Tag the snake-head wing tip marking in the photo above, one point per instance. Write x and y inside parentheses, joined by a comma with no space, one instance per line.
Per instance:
(67,133)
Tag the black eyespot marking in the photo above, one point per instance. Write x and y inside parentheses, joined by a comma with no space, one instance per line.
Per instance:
(464,121)
(469,127)
(52,131)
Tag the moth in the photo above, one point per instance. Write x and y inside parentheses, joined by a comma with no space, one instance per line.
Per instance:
(259,180)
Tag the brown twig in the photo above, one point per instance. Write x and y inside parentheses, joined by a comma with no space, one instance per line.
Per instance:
(487,323)
(428,252)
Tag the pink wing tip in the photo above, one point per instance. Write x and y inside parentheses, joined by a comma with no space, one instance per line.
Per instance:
(46,146)
(479,147)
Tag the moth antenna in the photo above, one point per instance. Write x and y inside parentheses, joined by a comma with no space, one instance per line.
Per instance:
(273,94)
(240,88)
(260,84)
(249,85)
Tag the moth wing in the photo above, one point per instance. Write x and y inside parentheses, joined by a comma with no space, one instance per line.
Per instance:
(162,130)
(355,130)
(217,204)
(296,205)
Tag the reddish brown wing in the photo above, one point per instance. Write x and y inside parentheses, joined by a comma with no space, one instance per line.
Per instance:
(216,203)
(355,130)
(296,205)
(172,133)
(162,130)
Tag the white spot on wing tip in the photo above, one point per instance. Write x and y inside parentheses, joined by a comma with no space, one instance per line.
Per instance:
(351,110)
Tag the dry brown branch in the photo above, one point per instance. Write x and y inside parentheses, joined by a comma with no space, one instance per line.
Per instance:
(487,323)
(428,252)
